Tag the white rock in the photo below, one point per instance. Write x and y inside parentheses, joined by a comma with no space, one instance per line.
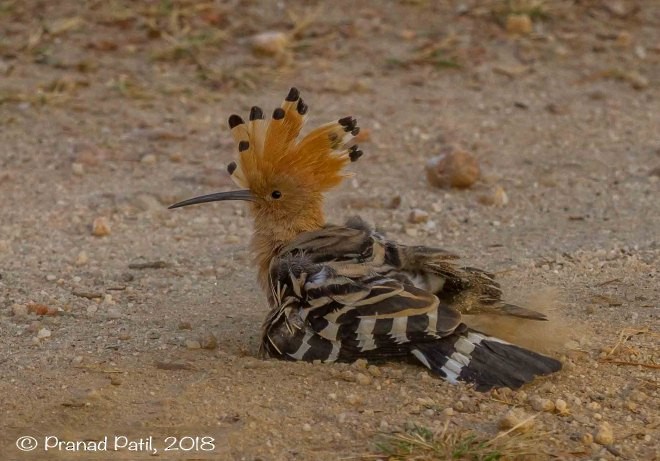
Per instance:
(270,43)
(417,216)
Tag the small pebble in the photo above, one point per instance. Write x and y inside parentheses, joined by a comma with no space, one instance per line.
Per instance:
(412,232)
(426,401)
(77,169)
(587,439)
(191,344)
(518,24)
(618,8)
(307,427)
(347,375)
(496,197)
(513,418)
(448,411)
(149,159)
(604,434)
(561,406)
(208,341)
(232,239)
(374,371)
(100,227)
(51,277)
(82,258)
(184,326)
(417,216)
(363,379)
(624,39)
(272,43)
(453,168)
(360,364)
(353,399)
(19,310)
(43,333)
(593,406)
(539,404)
(429,412)
(637,80)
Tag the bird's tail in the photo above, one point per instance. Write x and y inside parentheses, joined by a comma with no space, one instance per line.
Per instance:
(488,362)
(502,308)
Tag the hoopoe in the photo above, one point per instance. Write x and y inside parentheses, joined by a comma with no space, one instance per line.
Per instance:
(339,293)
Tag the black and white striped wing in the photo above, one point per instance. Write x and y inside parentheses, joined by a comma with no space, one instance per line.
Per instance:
(320,313)
(328,317)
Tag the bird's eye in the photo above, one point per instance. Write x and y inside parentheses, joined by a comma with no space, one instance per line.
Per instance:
(276,194)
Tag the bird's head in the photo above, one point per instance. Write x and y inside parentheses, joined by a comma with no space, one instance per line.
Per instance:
(282,176)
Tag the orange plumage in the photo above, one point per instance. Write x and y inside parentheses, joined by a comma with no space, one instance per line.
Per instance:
(316,161)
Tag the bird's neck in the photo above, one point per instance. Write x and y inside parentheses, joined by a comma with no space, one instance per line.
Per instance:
(269,237)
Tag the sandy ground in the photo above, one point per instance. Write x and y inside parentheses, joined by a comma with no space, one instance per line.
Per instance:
(116,109)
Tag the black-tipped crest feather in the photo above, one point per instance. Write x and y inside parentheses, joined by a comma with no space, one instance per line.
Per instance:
(256,113)
(293,95)
(301,107)
(235,120)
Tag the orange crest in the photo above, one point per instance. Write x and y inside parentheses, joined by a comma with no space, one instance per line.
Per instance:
(271,148)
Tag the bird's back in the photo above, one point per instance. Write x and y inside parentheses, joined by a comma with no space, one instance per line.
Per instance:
(356,250)
(345,292)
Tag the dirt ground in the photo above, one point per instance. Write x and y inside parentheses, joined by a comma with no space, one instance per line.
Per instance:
(115,109)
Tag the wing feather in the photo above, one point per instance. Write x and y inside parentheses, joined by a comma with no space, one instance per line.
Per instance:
(346,318)
(349,293)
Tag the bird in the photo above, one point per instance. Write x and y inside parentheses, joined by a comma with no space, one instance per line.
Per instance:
(339,293)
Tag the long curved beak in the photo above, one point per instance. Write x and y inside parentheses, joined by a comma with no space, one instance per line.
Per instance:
(218,196)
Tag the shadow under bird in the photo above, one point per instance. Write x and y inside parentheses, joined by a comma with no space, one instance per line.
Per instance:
(339,293)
